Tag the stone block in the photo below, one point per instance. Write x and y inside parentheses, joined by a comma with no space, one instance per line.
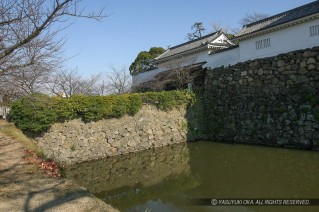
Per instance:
(243,73)
(311,67)
(132,143)
(260,72)
(311,60)
(302,71)
(303,64)
(281,63)
(303,79)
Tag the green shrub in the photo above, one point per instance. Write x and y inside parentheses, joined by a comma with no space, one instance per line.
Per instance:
(36,113)
(33,114)
(168,100)
(120,106)
(135,104)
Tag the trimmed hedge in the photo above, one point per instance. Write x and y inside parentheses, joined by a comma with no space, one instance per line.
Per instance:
(33,114)
(36,113)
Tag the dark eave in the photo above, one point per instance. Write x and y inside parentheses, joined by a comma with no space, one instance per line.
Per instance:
(189,47)
(282,20)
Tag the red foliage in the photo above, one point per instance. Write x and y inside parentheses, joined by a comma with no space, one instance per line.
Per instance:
(49,167)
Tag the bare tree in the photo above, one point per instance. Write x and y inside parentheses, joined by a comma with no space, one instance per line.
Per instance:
(22,21)
(102,88)
(179,73)
(253,17)
(119,80)
(157,84)
(29,48)
(218,26)
(28,80)
(23,78)
(66,83)
(178,78)
(229,31)
(10,91)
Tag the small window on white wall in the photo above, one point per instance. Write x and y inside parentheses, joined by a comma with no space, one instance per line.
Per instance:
(314,30)
(266,42)
(261,44)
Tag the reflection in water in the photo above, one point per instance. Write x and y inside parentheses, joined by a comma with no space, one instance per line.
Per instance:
(238,171)
(132,179)
(165,179)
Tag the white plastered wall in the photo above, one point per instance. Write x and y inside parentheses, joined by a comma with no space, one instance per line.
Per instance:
(281,41)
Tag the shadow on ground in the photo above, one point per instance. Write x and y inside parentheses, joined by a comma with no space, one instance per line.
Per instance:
(25,188)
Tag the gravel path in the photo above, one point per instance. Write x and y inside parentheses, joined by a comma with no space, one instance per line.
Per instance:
(23,187)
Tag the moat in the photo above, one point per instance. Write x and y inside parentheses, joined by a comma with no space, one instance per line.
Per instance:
(166,179)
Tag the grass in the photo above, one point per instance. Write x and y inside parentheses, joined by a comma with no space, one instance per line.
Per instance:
(184,126)
(33,154)
(10,130)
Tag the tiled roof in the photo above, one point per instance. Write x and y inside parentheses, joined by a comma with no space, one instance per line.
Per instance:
(190,45)
(281,18)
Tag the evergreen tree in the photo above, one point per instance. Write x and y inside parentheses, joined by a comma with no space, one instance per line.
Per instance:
(198,31)
(143,61)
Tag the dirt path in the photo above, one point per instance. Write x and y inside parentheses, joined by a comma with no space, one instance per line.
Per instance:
(23,187)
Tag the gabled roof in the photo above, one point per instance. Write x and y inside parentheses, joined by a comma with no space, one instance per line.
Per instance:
(280,19)
(199,43)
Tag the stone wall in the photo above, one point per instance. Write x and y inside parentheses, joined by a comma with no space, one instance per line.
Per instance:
(272,101)
(74,141)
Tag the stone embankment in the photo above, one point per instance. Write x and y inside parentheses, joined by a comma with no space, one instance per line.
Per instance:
(272,101)
(74,141)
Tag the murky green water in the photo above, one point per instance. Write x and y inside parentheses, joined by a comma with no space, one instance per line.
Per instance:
(165,179)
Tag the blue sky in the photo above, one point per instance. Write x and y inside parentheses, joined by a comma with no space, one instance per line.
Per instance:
(133,26)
